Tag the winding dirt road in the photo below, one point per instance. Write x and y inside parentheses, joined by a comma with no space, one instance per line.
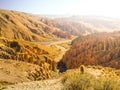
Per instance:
(56,43)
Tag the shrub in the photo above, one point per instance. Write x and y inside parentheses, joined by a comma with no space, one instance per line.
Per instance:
(82,69)
(78,81)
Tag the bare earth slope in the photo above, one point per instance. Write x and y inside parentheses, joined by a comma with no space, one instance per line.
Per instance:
(15,71)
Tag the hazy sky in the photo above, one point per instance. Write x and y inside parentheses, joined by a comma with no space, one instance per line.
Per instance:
(109,8)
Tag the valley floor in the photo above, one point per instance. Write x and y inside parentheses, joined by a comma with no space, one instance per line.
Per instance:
(57,44)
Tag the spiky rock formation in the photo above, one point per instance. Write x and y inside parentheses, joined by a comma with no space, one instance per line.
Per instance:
(97,49)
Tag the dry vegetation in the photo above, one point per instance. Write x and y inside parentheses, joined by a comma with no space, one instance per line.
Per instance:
(87,80)
(82,78)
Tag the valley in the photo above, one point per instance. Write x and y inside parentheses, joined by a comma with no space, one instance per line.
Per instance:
(42,53)
(58,45)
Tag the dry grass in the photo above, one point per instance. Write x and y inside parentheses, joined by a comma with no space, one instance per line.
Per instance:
(75,80)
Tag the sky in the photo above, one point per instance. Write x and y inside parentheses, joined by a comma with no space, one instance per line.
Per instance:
(109,8)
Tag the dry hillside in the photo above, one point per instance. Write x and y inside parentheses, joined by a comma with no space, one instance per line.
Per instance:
(28,52)
(24,26)
(21,35)
(92,77)
(97,49)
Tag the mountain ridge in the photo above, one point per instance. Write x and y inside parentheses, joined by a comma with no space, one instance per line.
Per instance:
(19,25)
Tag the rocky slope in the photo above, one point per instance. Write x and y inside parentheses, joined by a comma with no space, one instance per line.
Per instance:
(97,49)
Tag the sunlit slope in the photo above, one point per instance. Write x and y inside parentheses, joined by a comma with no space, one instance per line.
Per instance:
(24,26)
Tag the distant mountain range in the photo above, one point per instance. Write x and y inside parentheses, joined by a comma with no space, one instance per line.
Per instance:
(102,24)
(25,26)
(71,27)
(83,25)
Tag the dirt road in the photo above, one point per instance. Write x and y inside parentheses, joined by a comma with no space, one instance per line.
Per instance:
(54,43)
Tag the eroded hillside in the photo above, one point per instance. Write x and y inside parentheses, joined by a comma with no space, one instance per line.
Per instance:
(97,49)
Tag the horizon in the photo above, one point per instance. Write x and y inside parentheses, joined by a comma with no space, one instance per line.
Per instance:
(104,8)
(64,15)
